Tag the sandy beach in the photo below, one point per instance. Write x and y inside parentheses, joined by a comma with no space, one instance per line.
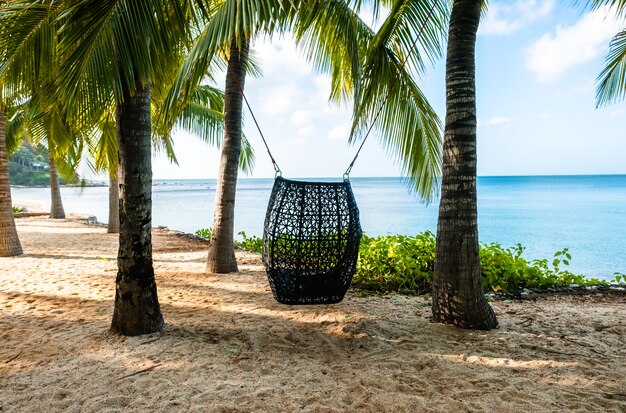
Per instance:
(227,346)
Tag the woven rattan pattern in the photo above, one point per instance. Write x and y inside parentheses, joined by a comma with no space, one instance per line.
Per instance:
(311,241)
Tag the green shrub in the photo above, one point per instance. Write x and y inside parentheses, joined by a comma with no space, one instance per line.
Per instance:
(393,263)
(17,210)
(205,232)
(253,243)
(307,246)
(396,262)
(505,269)
(619,278)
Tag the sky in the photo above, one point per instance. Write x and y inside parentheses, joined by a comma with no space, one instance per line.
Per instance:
(536,62)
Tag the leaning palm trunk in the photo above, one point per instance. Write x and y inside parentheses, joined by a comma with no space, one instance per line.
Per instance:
(56,205)
(137,309)
(458,296)
(113,226)
(221,256)
(9,241)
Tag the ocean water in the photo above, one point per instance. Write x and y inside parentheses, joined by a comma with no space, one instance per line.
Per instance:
(586,214)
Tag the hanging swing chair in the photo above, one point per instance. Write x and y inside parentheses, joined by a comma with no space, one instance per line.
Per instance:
(311,241)
(312,230)
(311,235)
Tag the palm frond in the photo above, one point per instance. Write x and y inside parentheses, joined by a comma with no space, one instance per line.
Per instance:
(415,30)
(115,44)
(28,43)
(226,20)
(619,6)
(15,130)
(332,36)
(104,146)
(611,83)
(407,126)
(67,165)
(203,122)
(247,158)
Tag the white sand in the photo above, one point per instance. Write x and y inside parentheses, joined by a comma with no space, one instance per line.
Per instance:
(229,347)
(28,205)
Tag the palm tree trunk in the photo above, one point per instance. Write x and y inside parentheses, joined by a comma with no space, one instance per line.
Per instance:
(56,204)
(221,256)
(9,242)
(137,309)
(113,227)
(458,296)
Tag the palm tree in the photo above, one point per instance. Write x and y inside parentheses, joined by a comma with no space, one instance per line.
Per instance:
(612,80)
(30,67)
(137,310)
(9,242)
(101,62)
(115,51)
(231,23)
(457,290)
(98,51)
(56,206)
(221,256)
(45,125)
(364,66)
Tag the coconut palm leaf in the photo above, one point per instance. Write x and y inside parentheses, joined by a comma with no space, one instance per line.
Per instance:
(103,146)
(611,83)
(99,59)
(28,42)
(407,126)
(14,128)
(225,20)
(332,36)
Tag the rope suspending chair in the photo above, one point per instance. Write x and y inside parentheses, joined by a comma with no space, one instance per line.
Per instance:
(312,230)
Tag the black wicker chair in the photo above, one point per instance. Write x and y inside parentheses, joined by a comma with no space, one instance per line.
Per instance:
(311,241)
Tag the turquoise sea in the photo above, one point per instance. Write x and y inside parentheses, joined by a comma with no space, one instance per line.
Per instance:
(586,214)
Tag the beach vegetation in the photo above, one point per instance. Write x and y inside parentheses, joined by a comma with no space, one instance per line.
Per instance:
(619,278)
(395,263)
(204,232)
(29,166)
(250,243)
(17,209)
(405,264)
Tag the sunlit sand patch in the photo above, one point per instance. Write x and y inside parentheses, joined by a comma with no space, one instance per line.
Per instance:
(505,362)
(228,346)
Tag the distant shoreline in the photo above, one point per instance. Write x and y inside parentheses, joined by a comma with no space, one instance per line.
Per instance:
(94,185)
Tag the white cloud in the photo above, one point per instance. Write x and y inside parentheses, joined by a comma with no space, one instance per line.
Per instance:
(278,101)
(497,121)
(306,132)
(340,132)
(554,54)
(279,56)
(302,117)
(503,18)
